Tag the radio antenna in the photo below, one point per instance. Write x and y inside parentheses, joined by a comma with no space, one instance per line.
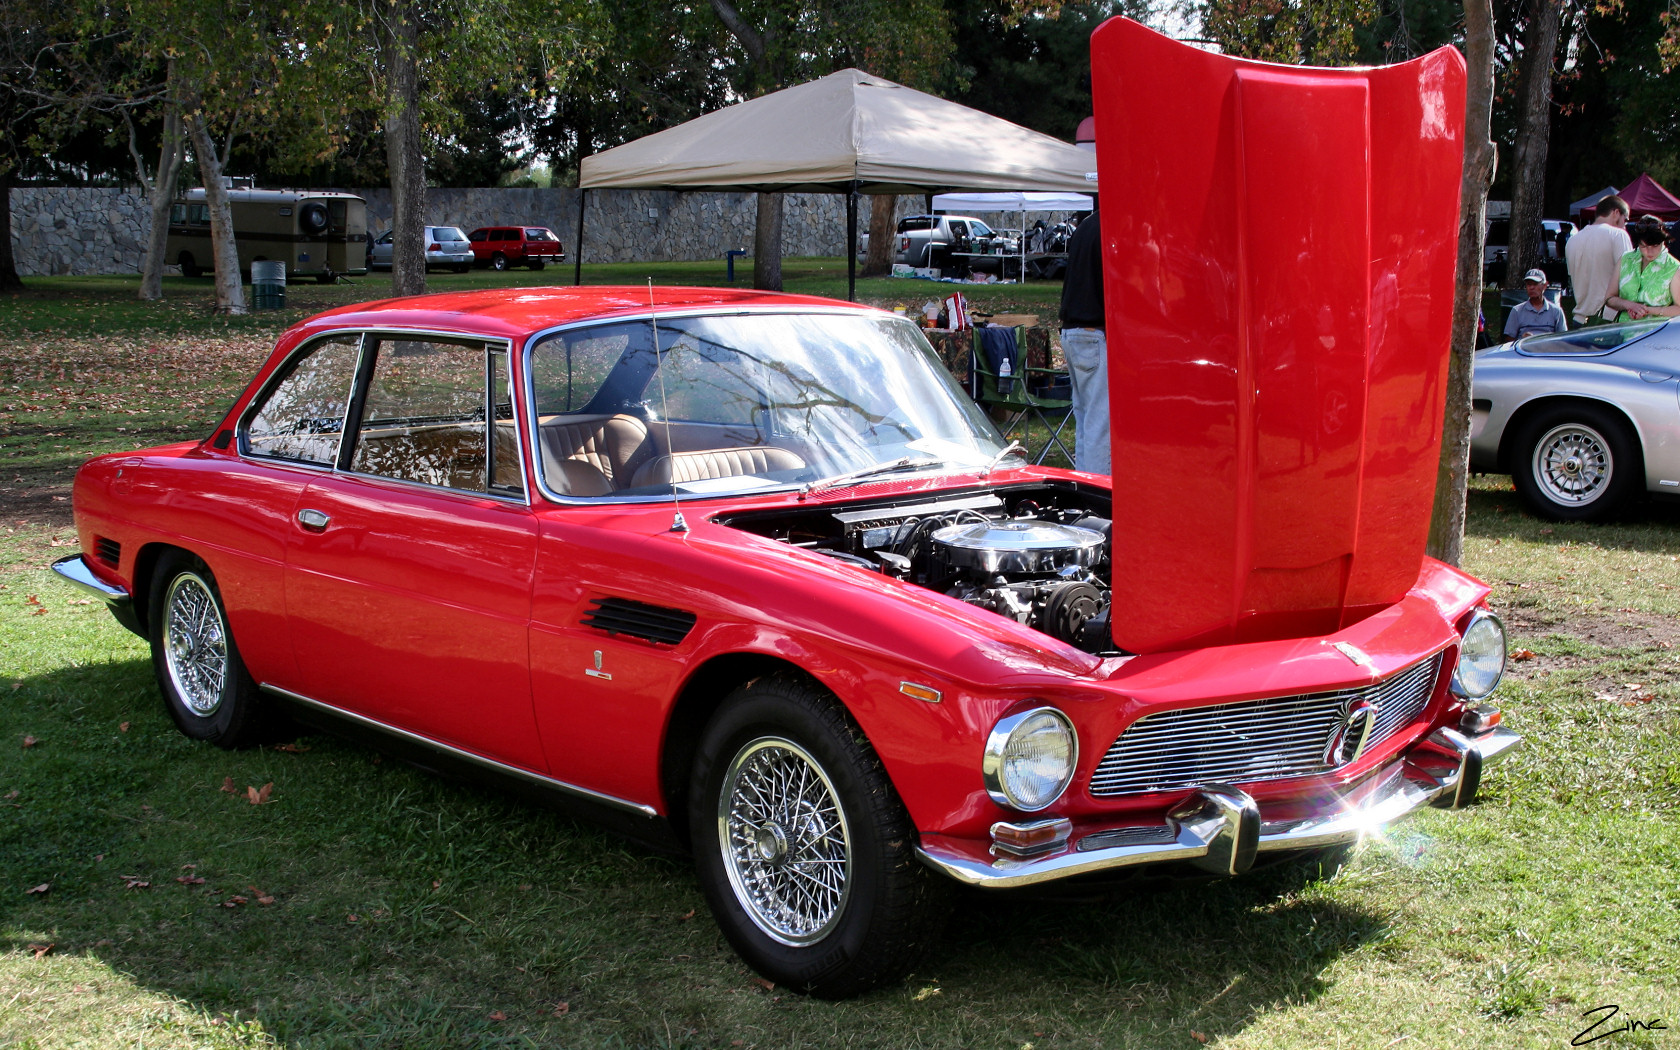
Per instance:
(678,523)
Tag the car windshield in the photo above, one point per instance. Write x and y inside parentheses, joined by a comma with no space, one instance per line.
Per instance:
(978,228)
(744,402)
(1598,339)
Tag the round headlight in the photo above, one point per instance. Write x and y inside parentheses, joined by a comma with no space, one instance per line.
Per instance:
(1030,758)
(1481,657)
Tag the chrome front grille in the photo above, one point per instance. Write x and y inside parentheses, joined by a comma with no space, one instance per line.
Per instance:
(1252,740)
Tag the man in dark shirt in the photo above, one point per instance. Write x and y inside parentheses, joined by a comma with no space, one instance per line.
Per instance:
(1085,345)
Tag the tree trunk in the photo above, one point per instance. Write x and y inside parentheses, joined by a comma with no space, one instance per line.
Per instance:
(403,155)
(230,293)
(160,194)
(1534,124)
(9,279)
(1446,525)
(767,244)
(883,209)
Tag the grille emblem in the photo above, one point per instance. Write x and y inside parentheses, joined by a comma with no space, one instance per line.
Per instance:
(1347,740)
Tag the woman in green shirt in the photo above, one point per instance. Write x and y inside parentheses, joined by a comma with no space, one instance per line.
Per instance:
(1650,285)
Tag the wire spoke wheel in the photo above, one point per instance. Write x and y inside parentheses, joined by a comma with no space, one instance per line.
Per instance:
(1573,464)
(195,644)
(786,846)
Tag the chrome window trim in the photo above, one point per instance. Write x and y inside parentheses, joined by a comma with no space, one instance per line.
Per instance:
(489,344)
(649,315)
(480,760)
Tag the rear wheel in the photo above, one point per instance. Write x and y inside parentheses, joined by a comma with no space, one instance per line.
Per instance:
(1576,462)
(806,855)
(189,268)
(205,686)
(535,264)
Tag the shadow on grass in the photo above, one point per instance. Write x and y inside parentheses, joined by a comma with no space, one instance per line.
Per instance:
(403,909)
(1494,511)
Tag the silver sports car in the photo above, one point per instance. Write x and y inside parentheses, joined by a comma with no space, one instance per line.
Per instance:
(1581,420)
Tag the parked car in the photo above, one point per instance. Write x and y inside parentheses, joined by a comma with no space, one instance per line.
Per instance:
(750,575)
(499,247)
(1554,234)
(445,246)
(1584,421)
(931,240)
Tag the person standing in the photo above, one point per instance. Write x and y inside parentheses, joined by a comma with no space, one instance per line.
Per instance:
(1537,316)
(1085,345)
(1594,256)
(1650,276)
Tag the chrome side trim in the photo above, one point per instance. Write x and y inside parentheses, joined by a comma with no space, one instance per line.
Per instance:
(1220,829)
(476,759)
(74,569)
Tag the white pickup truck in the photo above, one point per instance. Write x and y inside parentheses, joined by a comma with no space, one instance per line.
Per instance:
(929,240)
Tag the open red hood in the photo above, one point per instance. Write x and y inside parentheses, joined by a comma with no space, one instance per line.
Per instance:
(1278,248)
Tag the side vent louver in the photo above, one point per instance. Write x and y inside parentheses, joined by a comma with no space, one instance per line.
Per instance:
(640,620)
(107,551)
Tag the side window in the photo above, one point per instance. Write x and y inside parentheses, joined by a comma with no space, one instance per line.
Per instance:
(476,236)
(177,214)
(424,415)
(198,214)
(959,230)
(302,417)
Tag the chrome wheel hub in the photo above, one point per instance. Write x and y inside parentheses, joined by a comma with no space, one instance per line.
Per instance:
(194,644)
(786,848)
(1572,464)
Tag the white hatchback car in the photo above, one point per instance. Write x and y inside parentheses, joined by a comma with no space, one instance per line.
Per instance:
(445,246)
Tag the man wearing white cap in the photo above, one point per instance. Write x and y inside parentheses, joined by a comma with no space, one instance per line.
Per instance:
(1537,316)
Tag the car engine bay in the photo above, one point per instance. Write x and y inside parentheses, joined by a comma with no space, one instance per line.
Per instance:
(1036,554)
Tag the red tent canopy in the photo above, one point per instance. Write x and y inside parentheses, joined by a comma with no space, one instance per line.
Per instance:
(1645,197)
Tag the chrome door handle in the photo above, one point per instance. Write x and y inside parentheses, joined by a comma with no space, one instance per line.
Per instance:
(313,519)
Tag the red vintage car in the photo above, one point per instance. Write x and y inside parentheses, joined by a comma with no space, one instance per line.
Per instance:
(749,575)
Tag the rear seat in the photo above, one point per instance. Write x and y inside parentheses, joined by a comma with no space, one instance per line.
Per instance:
(594,455)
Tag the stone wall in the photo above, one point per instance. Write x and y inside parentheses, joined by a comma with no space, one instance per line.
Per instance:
(93,231)
(78,231)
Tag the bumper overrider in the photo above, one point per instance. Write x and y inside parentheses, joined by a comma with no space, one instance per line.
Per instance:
(1220,828)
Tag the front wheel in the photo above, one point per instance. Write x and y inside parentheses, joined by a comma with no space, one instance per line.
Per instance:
(498,262)
(805,853)
(1576,463)
(205,686)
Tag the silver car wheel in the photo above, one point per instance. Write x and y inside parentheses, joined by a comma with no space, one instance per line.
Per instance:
(1573,464)
(195,644)
(786,847)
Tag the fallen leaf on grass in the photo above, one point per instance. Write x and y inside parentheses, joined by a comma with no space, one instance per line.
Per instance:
(190,880)
(122,727)
(259,796)
(1197,1036)
(135,882)
(227,785)
(262,898)
(235,901)
(767,985)
(562,1009)
(1636,701)
(42,888)
(1520,655)
(296,749)
(40,949)
(687,915)
(11,794)
(1605,696)
(29,741)
(497,1015)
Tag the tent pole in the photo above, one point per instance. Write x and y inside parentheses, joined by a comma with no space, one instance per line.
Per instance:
(577,257)
(851,242)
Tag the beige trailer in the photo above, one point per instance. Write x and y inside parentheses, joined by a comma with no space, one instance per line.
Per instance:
(314,232)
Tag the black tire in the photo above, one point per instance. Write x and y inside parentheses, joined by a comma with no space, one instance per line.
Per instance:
(872,923)
(461,268)
(326,277)
(535,264)
(498,262)
(1576,462)
(189,268)
(205,686)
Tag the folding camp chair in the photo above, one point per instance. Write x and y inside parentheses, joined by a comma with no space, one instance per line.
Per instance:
(1022,405)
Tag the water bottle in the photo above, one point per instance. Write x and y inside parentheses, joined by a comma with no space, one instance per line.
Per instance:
(1006,378)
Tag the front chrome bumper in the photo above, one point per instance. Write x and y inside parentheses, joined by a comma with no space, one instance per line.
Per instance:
(1221,829)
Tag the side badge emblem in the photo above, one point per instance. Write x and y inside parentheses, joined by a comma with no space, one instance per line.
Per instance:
(596,672)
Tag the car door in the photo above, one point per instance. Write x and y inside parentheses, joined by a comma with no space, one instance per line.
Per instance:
(408,579)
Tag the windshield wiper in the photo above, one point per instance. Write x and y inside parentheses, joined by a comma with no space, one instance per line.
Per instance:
(889,467)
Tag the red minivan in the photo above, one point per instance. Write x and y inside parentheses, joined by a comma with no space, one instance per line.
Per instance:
(499,247)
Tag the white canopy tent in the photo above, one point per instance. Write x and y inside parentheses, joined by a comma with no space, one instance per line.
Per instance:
(1022,202)
(849,133)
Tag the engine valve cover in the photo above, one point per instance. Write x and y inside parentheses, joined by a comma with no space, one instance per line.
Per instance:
(1026,546)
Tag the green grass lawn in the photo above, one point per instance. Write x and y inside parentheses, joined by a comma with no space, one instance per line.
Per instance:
(369,904)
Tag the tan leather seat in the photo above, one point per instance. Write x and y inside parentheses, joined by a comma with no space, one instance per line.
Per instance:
(704,464)
(592,455)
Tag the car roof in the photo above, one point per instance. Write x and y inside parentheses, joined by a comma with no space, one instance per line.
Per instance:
(514,312)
